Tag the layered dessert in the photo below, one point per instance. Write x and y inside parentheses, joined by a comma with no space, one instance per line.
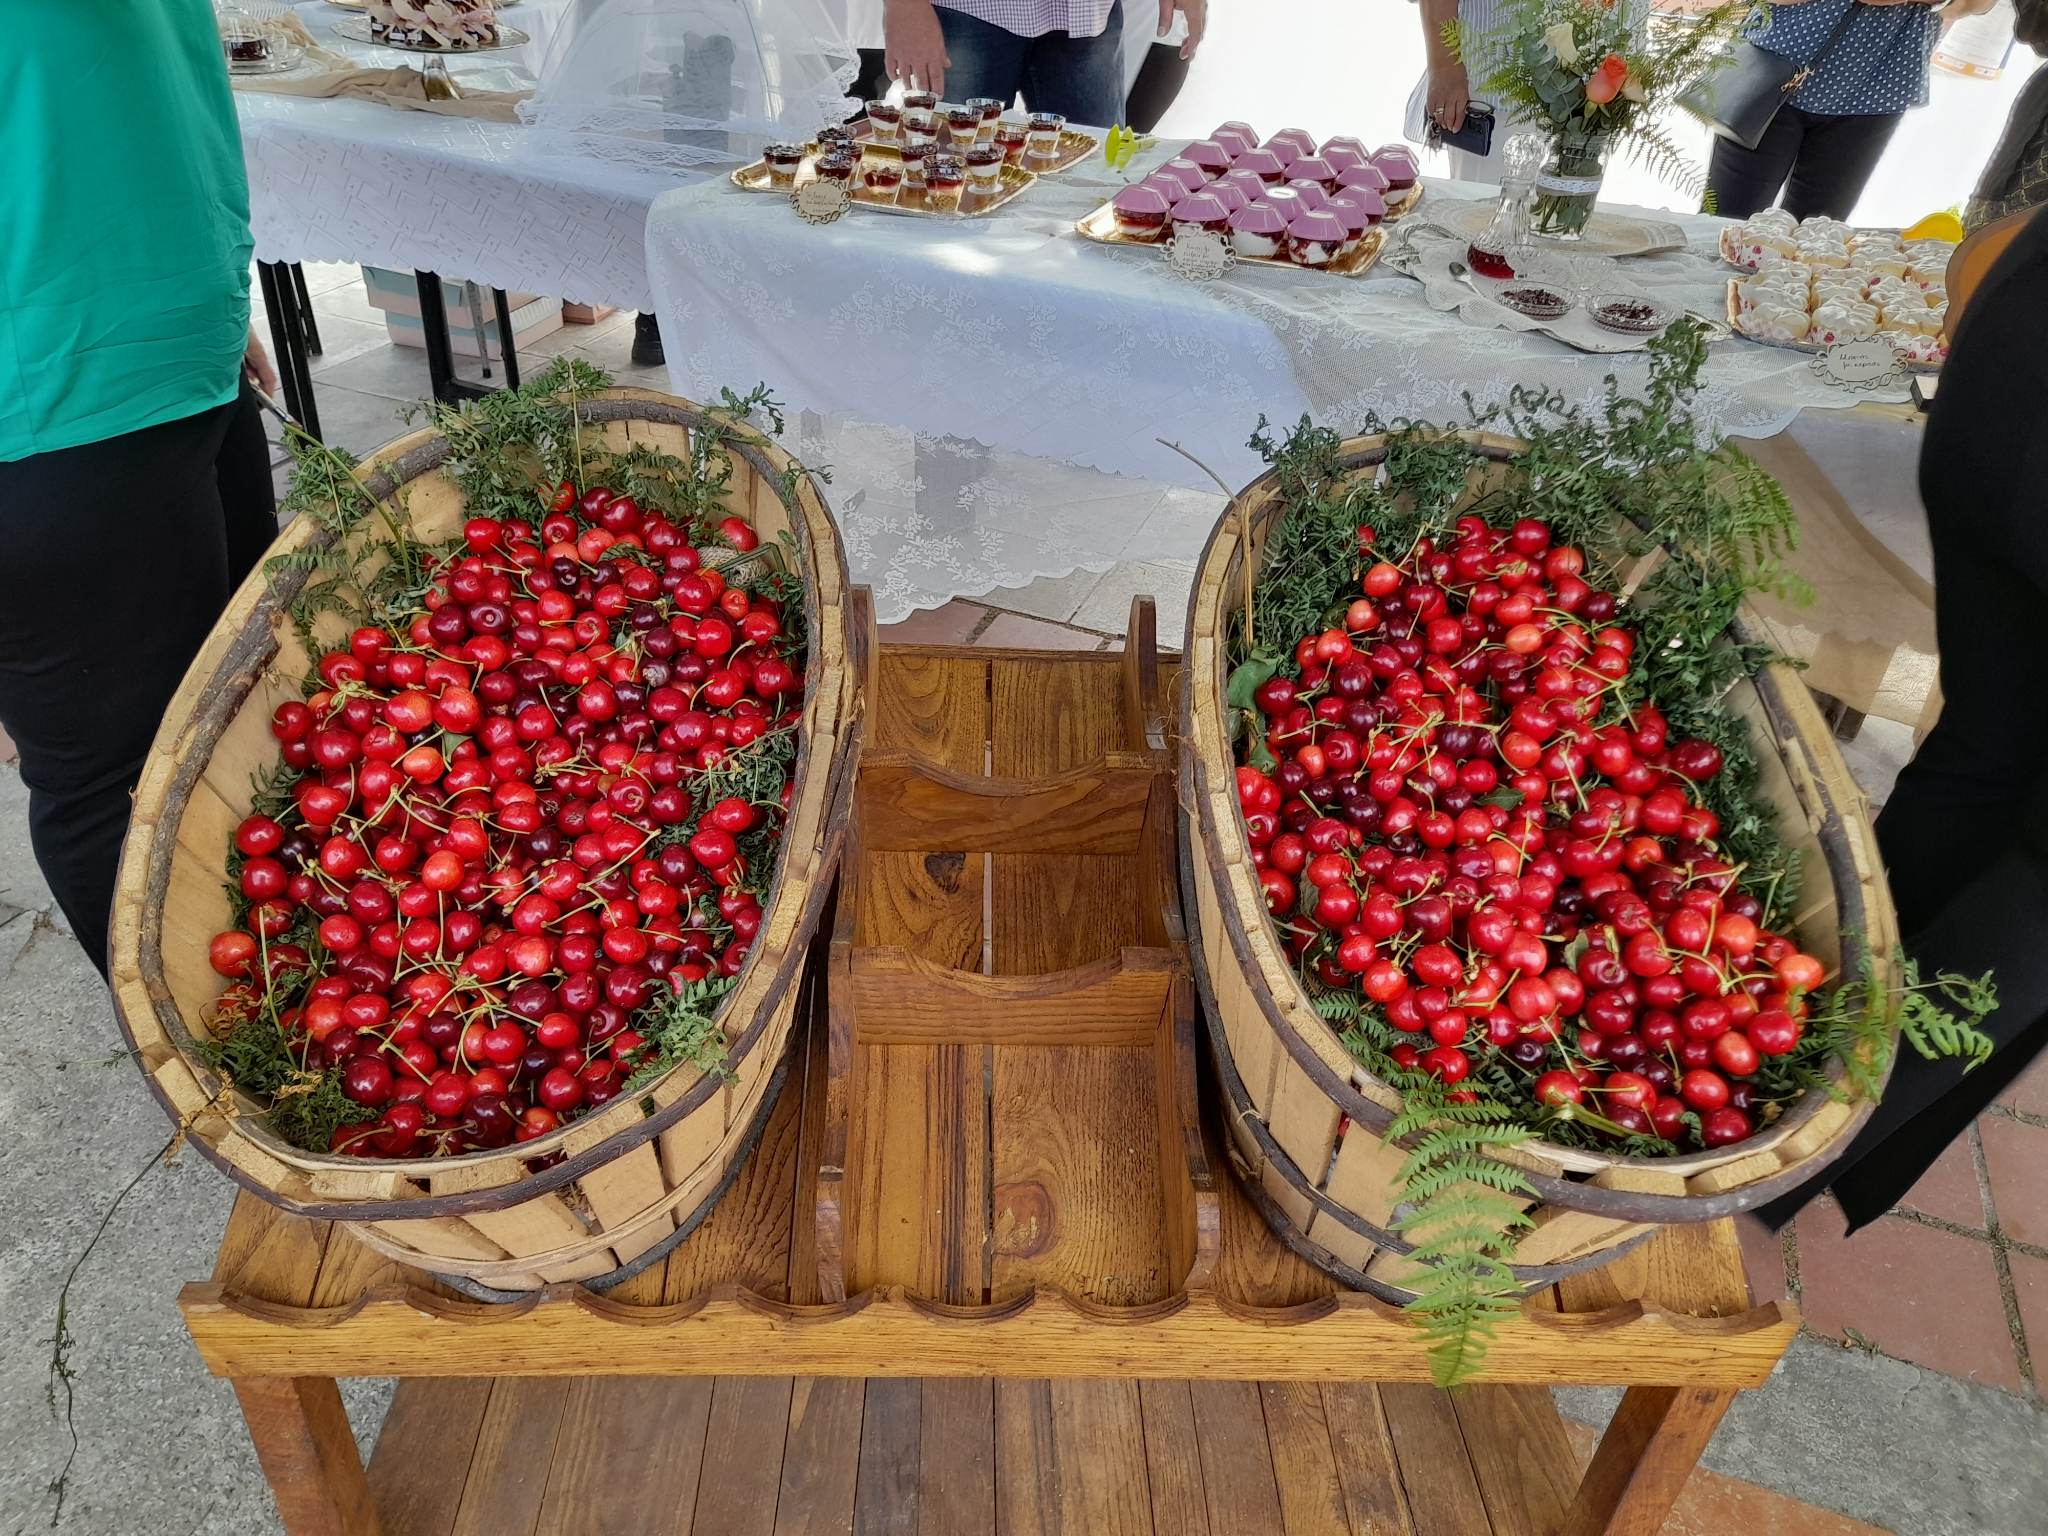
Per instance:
(1314,238)
(1187,175)
(1316,169)
(1365,200)
(1351,214)
(1201,212)
(914,158)
(1141,212)
(885,122)
(1262,163)
(1011,135)
(984,169)
(963,126)
(1397,164)
(1042,134)
(990,110)
(1299,141)
(782,161)
(1311,193)
(945,179)
(1366,177)
(883,176)
(1209,155)
(1258,231)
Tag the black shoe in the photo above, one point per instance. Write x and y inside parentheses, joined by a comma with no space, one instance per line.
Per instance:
(647,351)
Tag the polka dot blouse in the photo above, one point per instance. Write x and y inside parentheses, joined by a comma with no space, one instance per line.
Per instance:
(1878,64)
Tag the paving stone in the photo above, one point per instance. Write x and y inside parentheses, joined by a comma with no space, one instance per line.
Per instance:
(1923,1295)
(1020,632)
(1949,1190)
(2017,1157)
(950,625)
(1713,1504)
(2028,1093)
(2030,1285)
(1763,1260)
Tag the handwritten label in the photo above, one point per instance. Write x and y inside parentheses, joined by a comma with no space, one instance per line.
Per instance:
(820,201)
(1867,362)
(1199,256)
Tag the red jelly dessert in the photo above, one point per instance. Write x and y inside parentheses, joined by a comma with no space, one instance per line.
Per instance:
(1141,212)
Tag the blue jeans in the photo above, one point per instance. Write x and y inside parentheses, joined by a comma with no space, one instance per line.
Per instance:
(1081,78)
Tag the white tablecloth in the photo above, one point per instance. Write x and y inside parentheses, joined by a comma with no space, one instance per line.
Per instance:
(1014,332)
(354,181)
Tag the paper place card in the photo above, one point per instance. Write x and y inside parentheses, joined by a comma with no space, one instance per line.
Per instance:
(820,201)
(1864,363)
(1199,256)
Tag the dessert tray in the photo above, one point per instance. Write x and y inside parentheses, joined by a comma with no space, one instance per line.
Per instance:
(1100,226)
(1741,323)
(757,177)
(357,30)
(1074,147)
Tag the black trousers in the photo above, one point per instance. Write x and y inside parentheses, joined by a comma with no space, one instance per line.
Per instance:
(1965,833)
(120,556)
(1821,164)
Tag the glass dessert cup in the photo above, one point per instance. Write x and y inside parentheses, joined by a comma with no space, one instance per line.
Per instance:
(920,125)
(984,170)
(783,161)
(945,180)
(990,110)
(1042,134)
(885,122)
(1011,136)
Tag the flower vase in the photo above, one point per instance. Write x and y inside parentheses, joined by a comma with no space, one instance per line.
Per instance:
(1568,186)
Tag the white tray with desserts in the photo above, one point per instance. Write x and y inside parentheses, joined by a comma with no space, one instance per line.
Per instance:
(1777,320)
(1039,142)
(432,26)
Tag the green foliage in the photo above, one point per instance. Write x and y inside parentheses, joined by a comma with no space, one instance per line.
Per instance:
(508,448)
(1463,1208)
(679,1027)
(1859,1024)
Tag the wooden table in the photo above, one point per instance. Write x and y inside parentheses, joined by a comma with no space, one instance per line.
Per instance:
(1058,1321)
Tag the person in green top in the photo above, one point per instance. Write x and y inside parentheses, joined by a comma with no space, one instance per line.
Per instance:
(135,489)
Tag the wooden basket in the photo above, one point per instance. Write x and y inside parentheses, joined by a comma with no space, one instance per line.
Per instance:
(1308,1122)
(631,1180)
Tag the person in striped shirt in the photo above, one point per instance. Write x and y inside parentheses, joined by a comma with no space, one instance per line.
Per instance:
(1062,56)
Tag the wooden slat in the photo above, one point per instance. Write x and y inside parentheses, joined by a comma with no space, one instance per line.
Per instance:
(743,1449)
(891,1431)
(308,1454)
(1443,1495)
(1173,1459)
(1304,1462)
(1643,1460)
(1520,1457)
(269,1255)
(821,1457)
(1077,1204)
(1237,1463)
(515,1447)
(905,1000)
(1374,1500)
(1070,1460)
(628,1456)
(957,1458)
(431,1428)
(908,805)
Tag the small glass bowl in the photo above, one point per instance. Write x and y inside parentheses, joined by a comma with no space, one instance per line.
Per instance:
(1629,314)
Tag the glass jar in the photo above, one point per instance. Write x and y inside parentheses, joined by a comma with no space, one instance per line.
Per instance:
(1493,250)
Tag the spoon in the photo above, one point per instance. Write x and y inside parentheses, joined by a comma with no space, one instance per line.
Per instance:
(1460,273)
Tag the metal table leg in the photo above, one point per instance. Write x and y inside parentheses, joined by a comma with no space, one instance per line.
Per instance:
(441,350)
(289,320)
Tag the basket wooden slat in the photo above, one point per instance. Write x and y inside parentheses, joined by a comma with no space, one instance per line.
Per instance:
(1308,1123)
(628,1182)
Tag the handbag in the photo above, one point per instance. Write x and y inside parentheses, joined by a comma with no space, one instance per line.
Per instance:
(1740,96)
(1474,135)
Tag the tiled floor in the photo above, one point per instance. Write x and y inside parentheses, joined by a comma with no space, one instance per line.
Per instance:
(1956,1277)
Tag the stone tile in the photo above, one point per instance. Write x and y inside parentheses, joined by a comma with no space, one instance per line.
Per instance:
(356,421)
(1949,1189)
(2017,1157)
(1108,606)
(1763,1259)
(1018,631)
(326,276)
(396,373)
(2030,1283)
(343,340)
(2028,1092)
(950,625)
(1922,1295)
(1712,1504)
(1178,527)
(1049,597)
(347,301)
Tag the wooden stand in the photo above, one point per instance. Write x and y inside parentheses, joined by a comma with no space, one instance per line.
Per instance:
(991,1143)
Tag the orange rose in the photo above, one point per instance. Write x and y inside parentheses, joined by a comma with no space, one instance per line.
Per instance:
(1605,82)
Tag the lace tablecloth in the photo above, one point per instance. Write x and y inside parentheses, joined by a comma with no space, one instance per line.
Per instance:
(352,181)
(1016,333)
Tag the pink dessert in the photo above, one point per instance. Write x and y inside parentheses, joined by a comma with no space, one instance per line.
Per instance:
(1347,144)
(1264,164)
(1287,200)
(1302,143)
(1248,182)
(1257,230)
(1315,239)
(1192,177)
(1234,141)
(1242,130)
(1311,193)
(1347,211)
(1341,157)
(1398,164)
(1210,155)
(1228,193)
(1314,168)
(1202,211)
(1286,151)
(1166,186)
(1365,200)
(1367,177)
(1141,212)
